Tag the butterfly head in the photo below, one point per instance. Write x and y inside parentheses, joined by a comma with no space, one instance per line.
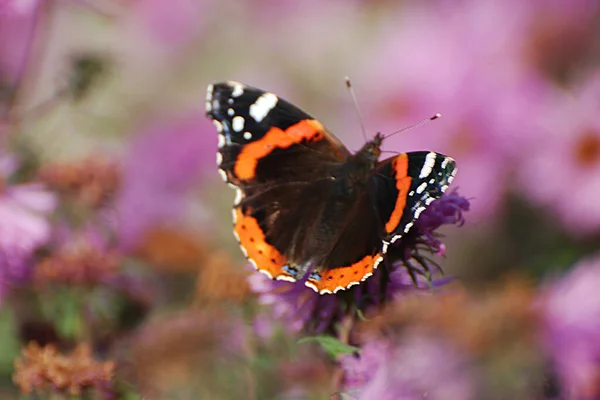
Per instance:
(371,150)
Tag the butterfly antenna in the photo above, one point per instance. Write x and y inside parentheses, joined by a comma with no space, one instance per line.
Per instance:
(360,117)
(420,123)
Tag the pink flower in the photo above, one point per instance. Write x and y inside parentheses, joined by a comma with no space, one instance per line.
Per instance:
(451,58)
(17,30)
(571,316)
(562,168)
(415,368)
(164,164)
(173,23)
(24,224)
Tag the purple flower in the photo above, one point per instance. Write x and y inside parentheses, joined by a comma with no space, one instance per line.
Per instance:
(165,162)
(359,369)
(562,167)
(449,57)
(173,23)
(17,30)
(300,308)
(418,367)
(571,322)
(24,224)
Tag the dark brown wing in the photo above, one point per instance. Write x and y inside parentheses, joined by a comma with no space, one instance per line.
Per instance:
(271,151)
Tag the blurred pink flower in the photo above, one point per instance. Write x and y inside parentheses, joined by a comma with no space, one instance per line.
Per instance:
(571,310)
(17,30)
(560,36)
(359,369)
(416,368)
(174,23)
(451,58)
(164,163)
(24,224)
(562,169)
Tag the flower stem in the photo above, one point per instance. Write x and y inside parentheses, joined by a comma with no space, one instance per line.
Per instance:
(344,333)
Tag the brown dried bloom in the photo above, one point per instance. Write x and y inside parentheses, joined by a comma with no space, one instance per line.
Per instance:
(220,280)
(81,265)
(476,322)
(172,250)
(91,182)
(44,369)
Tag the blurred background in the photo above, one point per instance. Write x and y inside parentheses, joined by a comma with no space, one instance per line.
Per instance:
(119,275)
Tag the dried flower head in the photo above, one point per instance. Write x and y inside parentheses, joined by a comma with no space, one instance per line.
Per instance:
(482,345)
(91,182)
(219,280)
(178,352)
(81,265)
(45,370)
(476,322)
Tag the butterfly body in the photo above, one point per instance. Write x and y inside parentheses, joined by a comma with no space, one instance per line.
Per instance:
(305,206)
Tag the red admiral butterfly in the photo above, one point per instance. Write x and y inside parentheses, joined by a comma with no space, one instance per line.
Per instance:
(305,204)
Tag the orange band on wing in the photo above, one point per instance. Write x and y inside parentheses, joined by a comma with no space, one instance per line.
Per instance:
(342,278)
(264,256)
(245,165)
(400,167)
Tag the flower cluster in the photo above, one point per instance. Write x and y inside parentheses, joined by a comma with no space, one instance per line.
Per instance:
(44,370)
(91,182)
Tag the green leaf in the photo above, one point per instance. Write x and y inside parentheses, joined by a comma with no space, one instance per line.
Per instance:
(332,346)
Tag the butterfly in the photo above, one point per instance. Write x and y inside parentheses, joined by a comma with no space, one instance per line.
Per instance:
(306,208)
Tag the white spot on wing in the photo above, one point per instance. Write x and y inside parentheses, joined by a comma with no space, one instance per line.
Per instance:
(421,187)
(311,285)
(364,278)
(221,141)
(247,135)
(218,125)
(208,106)
(238,89)
(376,263)
(219,158)
(285,278)
(238,123)
(262,271)
(384,247)
(209,92)
(239,195)
(428,165)
(230,112)
(223,175)
(262,106)
(445,162)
